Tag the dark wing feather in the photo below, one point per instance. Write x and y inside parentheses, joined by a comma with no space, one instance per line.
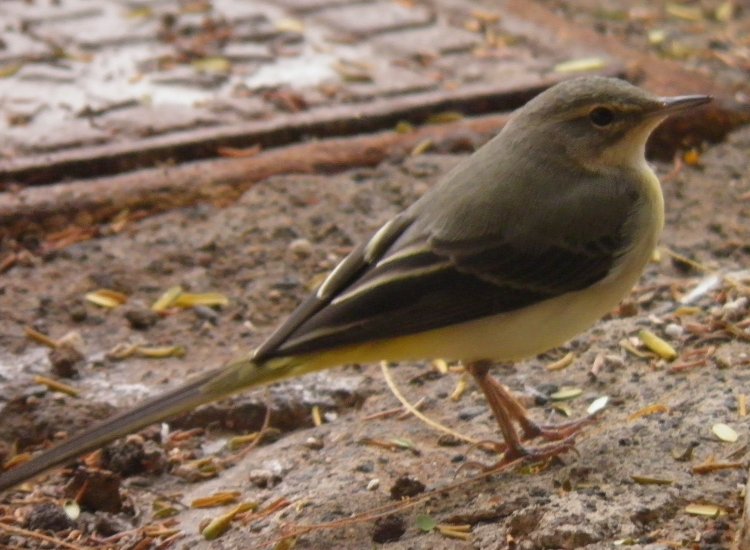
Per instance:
(448,283)
(345,274)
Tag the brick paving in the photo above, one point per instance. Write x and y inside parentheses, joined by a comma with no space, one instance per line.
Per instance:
(80,73)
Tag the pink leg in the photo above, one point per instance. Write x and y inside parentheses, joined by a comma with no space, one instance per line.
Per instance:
(507,409)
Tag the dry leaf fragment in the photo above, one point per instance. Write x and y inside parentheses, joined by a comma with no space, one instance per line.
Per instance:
(159,352)
(56,386)
(710,466)
(421,147)
(164,508)
(724,432)
(39,338)
(597,405)
(681,11)
(648,480)
(188,299)
(563,409)
(630,348)
(485,16)
(217,499)
(215,64)
(16,460)
(687,311)
(711,510)
(445,117)
(9,69)
(725,12)
(353,71)
(141,12)
(240,441)
(166,300)
(288,24)
(581,65)
(659,346)
(461,387)
(657,408)
(105,297)
(562,363)
(566,393)
(692,157)
(440,365)
(317,418)
(404,127)
(657,36)
(219,525)
(462,532)
(287,543)
(72,509)
(239,152)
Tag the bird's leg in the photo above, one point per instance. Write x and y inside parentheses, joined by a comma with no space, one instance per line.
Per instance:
(507,409)
(531,429)
(479,370)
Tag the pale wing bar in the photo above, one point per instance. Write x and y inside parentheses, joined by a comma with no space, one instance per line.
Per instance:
(343,275)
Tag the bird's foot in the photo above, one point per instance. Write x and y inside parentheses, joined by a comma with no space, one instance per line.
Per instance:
(527,455)
(520,455)
(555,432)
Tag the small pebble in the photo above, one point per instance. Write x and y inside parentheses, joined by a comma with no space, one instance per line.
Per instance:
(141,318)
(388,529)
(365,467)
(264,479)
(48,517)
(301,248)
(207,313)
(65,360)
(448,440)
(314,443)
(406,486)
(673,330)
(373,484)
(736,309)
(95,490)
(77,312)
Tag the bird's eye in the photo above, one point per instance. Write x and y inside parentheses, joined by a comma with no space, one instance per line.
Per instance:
(601,116)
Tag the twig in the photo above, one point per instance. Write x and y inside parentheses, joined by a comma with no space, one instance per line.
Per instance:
(40,536)
(408,406)
(390,508)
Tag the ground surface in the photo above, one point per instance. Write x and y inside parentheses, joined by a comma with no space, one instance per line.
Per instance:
(633,479)
(251,253)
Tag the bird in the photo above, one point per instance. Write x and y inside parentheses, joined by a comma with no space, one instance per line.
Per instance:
(523,245)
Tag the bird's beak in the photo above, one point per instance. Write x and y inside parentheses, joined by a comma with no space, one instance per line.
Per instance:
(674,104)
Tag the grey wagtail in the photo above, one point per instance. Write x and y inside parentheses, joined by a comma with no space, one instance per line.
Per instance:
(519,248)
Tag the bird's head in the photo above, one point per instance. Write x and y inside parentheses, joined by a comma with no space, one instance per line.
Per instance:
(598,123)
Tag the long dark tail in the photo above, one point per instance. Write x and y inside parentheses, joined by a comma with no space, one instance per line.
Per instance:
(238,375)
(154,410)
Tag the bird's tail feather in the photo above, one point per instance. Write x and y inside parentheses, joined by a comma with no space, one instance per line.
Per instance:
(238,375)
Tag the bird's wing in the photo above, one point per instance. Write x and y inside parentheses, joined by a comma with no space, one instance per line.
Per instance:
(407,280)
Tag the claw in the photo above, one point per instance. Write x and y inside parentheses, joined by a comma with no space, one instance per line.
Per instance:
(557,432)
